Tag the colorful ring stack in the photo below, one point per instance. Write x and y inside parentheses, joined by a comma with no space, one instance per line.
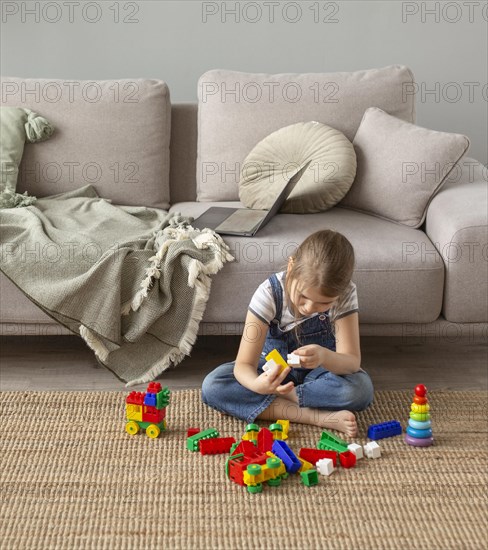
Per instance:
(419,431)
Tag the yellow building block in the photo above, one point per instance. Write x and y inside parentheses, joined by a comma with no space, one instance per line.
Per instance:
(266,474)
(276,356)
(286,427)
(305,465)
(134,412)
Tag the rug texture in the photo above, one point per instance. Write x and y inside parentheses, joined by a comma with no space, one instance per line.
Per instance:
(71,477)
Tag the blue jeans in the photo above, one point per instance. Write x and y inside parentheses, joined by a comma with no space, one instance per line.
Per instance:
(316,388)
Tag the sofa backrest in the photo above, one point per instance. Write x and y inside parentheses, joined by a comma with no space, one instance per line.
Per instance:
(111,134)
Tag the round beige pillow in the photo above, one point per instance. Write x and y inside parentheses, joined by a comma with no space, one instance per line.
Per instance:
(276,158)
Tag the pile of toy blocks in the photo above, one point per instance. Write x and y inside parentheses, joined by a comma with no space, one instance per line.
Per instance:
(263,456)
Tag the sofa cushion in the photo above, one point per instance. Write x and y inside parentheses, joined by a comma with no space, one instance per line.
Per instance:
(401,166)
(112,134)
(272,162)
(389,257)
(236,110)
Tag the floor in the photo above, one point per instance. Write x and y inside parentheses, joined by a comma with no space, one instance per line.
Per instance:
(66,363)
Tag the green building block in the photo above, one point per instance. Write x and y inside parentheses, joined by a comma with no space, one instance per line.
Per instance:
(192,441)
(330,442)
(162,398)
(310,477)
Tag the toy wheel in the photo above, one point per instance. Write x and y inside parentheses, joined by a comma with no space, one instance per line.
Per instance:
(153,431)
(273,462)
(255,488)
(275,482)
(132,427)
(254,469)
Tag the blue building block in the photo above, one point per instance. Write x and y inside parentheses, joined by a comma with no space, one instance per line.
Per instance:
(385,429)
(150,399)
(281,450)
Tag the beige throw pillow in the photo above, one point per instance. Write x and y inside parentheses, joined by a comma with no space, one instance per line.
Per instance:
(275,159)
(238,109)
(401,167)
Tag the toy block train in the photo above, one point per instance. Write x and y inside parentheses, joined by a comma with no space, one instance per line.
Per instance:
(147,410)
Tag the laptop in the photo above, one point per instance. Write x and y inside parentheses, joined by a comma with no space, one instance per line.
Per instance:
(245,221)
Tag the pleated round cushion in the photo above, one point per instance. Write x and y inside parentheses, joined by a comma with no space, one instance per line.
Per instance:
(276,158)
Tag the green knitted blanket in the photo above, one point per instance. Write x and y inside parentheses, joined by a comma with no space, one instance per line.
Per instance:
(132,281)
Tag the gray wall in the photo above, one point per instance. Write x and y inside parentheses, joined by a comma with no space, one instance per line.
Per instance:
(444,43)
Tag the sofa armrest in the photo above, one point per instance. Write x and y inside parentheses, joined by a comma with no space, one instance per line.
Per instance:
(457,225)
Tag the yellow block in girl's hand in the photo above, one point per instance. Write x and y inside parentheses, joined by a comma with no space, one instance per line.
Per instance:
(276,357)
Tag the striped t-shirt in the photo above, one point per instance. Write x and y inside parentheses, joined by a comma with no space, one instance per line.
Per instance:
(263,306)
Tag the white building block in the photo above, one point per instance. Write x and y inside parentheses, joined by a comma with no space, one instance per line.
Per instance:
(293,360)
(325,466)
(356,450)
(372,450)
(269,365)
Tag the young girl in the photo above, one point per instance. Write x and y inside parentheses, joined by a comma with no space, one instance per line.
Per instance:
(310,310)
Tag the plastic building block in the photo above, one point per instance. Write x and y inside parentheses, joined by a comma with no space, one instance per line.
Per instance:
(247,448)
(216,445)
(269,365)
(356,449)
(347,459)
(372,450)
(237,464)
(143,410)
(251,432)
(286,427)
(325,466)
(293,360)
(305,465)
(192,431)
(265,440)
(309,477)
(314,455)
(330,441)
(277,358)
(385,429)
(281,450)
(269,472)
(277,430)
(192,443)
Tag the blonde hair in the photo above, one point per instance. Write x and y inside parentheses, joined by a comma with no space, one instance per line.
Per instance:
(324,261)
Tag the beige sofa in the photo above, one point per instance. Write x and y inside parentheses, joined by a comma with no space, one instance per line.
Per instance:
(428,281)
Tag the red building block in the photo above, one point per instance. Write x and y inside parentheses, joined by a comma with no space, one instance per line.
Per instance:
(265,440)
(312,455)
(135,398)
(246,448)
(153,387)
(236,464)
(348,459)
(151,414)
(192,431)
(216,445)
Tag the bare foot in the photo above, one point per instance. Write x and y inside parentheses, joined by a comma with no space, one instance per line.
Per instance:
(343,421)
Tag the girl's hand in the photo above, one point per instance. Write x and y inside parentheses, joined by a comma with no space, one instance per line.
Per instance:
(311,356)
(270,382)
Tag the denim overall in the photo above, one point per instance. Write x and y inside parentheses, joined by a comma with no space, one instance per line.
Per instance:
(316,388)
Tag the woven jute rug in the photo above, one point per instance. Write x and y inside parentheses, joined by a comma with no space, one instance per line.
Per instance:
(71,477)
